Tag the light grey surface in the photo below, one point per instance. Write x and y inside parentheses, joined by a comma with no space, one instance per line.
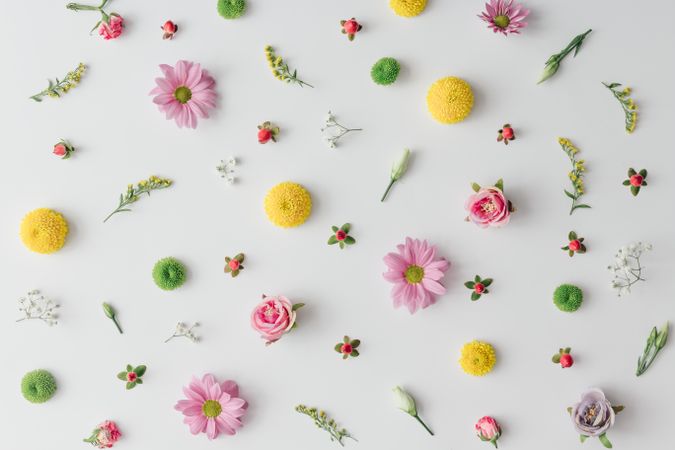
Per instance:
(121,138)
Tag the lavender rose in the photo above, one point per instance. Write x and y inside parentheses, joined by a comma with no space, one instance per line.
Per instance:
(594,415)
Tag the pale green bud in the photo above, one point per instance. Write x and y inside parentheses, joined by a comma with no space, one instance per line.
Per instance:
(404,401)
(549,70)
(399,168)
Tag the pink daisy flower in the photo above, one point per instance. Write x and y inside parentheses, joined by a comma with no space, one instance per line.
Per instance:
(212,408)
(185,92)
(505,16)
(416,273)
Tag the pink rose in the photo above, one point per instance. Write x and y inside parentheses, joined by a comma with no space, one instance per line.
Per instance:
(111,29)
(488,429)
(488,208)
(107,435)
(273,317)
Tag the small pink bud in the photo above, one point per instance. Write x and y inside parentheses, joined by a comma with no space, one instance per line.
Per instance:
(346,349)
(234,264)
(131,377)
(264,135)
(340,235)
(574,245)
(507,132)
(479,288)
(566,360)
(351,26)
(636,180)
(60,150)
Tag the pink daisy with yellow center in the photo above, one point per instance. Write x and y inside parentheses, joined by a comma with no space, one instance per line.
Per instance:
(505,16)
(416,272)
(184,93)
(212,407)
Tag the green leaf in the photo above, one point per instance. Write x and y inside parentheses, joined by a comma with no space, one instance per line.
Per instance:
(475,187)
(346,227)
(582,438)
(297,306)
(487,282)
(350,240)
(572,236)
(140,370)
(334,228)
(337,347)
(580,206)
(131,385)
(122,376)
(635,190)
(342,244)
(603,439)
(355,353)
(569,194)
(139,381)
(486,291)
(570,252)
(644,183)
(130,368)
(345,339)
(617,409)
(470,284)
(643,172)
(500,185)
(332,240)
(239,257)
(569,410)
(474,296)
(566,350)
(476,279)
(355,343)
(556,358)
(626,182)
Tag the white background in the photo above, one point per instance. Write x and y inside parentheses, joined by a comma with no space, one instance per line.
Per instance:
(121,137)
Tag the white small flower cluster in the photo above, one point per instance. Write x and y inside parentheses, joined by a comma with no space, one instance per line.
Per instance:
(183,330)
(627,268)
(36,306)
(226,169)
(333,131)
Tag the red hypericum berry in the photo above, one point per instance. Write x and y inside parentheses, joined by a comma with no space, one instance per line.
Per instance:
(636,180)
(264,135)
(131,377)
(60,150)
(479,288)
(574,245)
(234,264)
(566,360)
(169,29)
(507,132)
(346,349)
(340,235)
(351,26)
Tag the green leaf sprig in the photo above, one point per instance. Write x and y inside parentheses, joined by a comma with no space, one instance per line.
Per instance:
(655,342)
(629,107)
(132,375)
(576,175)
(553,63)
(135,192)
(280,69)
(321,420)
(59,87)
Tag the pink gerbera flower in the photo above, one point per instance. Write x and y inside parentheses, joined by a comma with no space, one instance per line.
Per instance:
(416,273)
(185,92)
(505,16)
(212,408)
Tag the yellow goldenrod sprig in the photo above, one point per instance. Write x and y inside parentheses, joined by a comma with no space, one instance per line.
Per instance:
(321,420)
(280,69)
(629,108)
(134,192)
(60,87)
(576,175)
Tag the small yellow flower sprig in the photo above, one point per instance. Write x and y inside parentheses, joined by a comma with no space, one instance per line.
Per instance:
(576,175)
(60,87)
(280,69)
(134,192)
(629,107)
(321,420)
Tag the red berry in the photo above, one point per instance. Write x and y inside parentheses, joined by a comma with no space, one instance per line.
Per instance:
(234,264)
(566,360)
(636,180)
(346,349)
(507,132)
(264,135)
(169,27)
(574,245)
(351,26)
(131,377)
(60,150)
(340,235)
(479,288)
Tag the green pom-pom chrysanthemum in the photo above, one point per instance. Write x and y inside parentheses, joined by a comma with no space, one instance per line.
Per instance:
(169,274)
(38,386)
(568,297)
(231,9)
(385,71)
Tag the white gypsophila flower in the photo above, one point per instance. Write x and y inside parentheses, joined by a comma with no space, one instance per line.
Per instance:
(37,307)
(183,330)
(333,130)
(226,169)
(627,267)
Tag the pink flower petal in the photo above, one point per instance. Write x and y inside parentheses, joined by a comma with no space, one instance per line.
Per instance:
(433,286)
(197,424)
(211,430)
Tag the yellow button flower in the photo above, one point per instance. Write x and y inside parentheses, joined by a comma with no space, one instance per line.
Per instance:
(43,230)
(408,8)
(478,358)
(450,100)
(288,204)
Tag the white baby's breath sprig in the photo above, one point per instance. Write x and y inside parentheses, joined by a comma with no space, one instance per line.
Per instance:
(226,169)
(36,306)
(183,330)
(333,131)
(627,267)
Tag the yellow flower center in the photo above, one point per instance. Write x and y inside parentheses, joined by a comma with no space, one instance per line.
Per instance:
(414,274)
(183,94)
(502,21)
(211,409)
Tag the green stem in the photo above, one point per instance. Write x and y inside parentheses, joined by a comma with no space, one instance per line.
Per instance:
(117,325)
(391,183)
(576,42)
(424,424)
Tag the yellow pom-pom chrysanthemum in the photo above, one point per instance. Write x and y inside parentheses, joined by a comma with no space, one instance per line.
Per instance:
(478,358)
(44,230)
(450,100)
(288,204)
(408,8)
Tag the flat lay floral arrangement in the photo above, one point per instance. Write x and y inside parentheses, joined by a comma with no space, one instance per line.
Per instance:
(418,272)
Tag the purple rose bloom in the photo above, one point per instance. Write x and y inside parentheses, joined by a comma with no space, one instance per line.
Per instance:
(593,415)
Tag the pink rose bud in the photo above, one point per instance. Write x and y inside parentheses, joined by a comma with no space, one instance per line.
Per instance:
(574,245)
(131,377)
(340,235)
(60,150)
(479,288)
(636,180)
(234,264)
(488,429)
(566,360)
(111,29)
